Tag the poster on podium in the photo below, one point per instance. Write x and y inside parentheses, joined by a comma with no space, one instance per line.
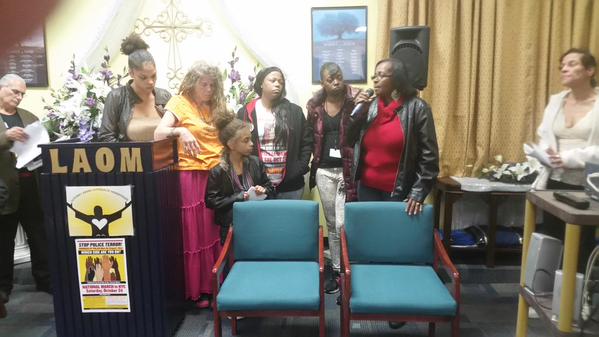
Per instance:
(102,269)
(99,211)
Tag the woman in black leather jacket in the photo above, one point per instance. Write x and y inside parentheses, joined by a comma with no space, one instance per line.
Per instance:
(238,174)
(396,156)
(133,111)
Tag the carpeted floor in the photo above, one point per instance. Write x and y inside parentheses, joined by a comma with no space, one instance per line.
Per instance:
(488,310)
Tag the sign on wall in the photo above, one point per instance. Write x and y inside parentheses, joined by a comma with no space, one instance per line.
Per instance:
(28,60)
(339,35)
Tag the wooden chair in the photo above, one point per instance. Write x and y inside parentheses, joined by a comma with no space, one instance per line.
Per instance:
(390,262)
(275,254)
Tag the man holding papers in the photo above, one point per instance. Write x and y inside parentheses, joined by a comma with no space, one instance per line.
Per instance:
(23,204)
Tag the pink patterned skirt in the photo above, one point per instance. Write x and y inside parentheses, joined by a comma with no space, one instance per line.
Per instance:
(201,236)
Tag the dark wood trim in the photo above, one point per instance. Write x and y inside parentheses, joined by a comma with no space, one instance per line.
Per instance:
(541,306)
(448,193)
(321,311)
(567,213)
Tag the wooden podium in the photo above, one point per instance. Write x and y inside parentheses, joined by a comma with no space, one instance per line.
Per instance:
(154,261)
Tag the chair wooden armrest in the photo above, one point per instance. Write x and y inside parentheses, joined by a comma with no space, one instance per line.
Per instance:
(321,258)
(320,250)
(441,255)
(220,263)
(345,267)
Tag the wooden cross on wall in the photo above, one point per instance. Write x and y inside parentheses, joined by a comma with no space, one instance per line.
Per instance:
(173,26)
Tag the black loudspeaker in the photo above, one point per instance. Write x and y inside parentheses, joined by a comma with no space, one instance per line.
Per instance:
(410,45)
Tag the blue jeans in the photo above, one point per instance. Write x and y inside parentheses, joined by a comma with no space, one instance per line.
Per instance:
(366,193)
(293,195)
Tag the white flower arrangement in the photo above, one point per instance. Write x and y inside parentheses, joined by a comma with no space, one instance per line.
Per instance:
(76,109)
(514,173)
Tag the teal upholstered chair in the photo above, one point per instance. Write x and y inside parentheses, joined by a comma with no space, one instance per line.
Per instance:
(275,250)
(389,260)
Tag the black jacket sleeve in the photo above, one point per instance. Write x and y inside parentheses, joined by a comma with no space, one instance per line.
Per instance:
(217,197)
(109,129)
(355,125)
(3,193)
(305,138)
(241,114)
(307,144)
(427,168)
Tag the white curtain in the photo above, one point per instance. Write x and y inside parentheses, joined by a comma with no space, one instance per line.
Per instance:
(276,33)
(114,22)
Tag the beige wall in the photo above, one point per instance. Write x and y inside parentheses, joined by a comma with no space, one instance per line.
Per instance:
(72,29)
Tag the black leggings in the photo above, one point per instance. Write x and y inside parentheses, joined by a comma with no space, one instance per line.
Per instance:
(30,216)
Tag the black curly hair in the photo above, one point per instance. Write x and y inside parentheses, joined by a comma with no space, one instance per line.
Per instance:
(137,51)
(228,125)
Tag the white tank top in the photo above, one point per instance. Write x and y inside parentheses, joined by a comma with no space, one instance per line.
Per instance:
(569,138)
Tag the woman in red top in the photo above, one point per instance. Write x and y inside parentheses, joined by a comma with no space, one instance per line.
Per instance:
(396,157)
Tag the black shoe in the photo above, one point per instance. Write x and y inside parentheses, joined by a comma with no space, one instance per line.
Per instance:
(2,310)
(3,296)
(396,325)
(338,300)
(45,288)
(331,286)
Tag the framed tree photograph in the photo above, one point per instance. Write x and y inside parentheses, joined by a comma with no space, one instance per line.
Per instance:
(339,35)
(28,60)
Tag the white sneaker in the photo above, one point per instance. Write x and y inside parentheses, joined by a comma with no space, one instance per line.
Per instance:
(532,313)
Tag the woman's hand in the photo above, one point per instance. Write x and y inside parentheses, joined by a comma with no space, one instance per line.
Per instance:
(259,190)
(190,144)
(16,134)
(363,97)
(555,158)
(414,207)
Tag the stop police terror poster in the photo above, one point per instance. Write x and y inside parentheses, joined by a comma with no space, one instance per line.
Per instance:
(102,270)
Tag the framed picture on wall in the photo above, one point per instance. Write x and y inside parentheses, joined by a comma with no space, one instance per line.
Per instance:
(28,60)
(339,35)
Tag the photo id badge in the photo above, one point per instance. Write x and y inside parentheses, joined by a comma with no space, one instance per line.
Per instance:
(334,153)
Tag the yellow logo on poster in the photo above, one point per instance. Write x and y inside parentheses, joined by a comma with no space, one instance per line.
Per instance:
(99,211)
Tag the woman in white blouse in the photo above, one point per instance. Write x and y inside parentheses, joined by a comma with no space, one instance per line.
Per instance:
(570,133)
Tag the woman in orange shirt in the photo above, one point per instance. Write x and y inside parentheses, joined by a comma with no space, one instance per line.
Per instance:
(189,116)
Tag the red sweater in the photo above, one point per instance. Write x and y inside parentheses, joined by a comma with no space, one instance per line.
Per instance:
(382,148)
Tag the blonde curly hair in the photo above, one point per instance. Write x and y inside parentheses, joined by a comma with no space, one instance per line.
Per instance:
(218,105)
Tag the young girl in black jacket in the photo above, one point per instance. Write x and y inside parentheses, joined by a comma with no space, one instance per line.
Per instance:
(231,180)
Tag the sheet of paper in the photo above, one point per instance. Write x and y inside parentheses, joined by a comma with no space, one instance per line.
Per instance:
(29,150)
(535,151)
(254,196)
(34,164)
